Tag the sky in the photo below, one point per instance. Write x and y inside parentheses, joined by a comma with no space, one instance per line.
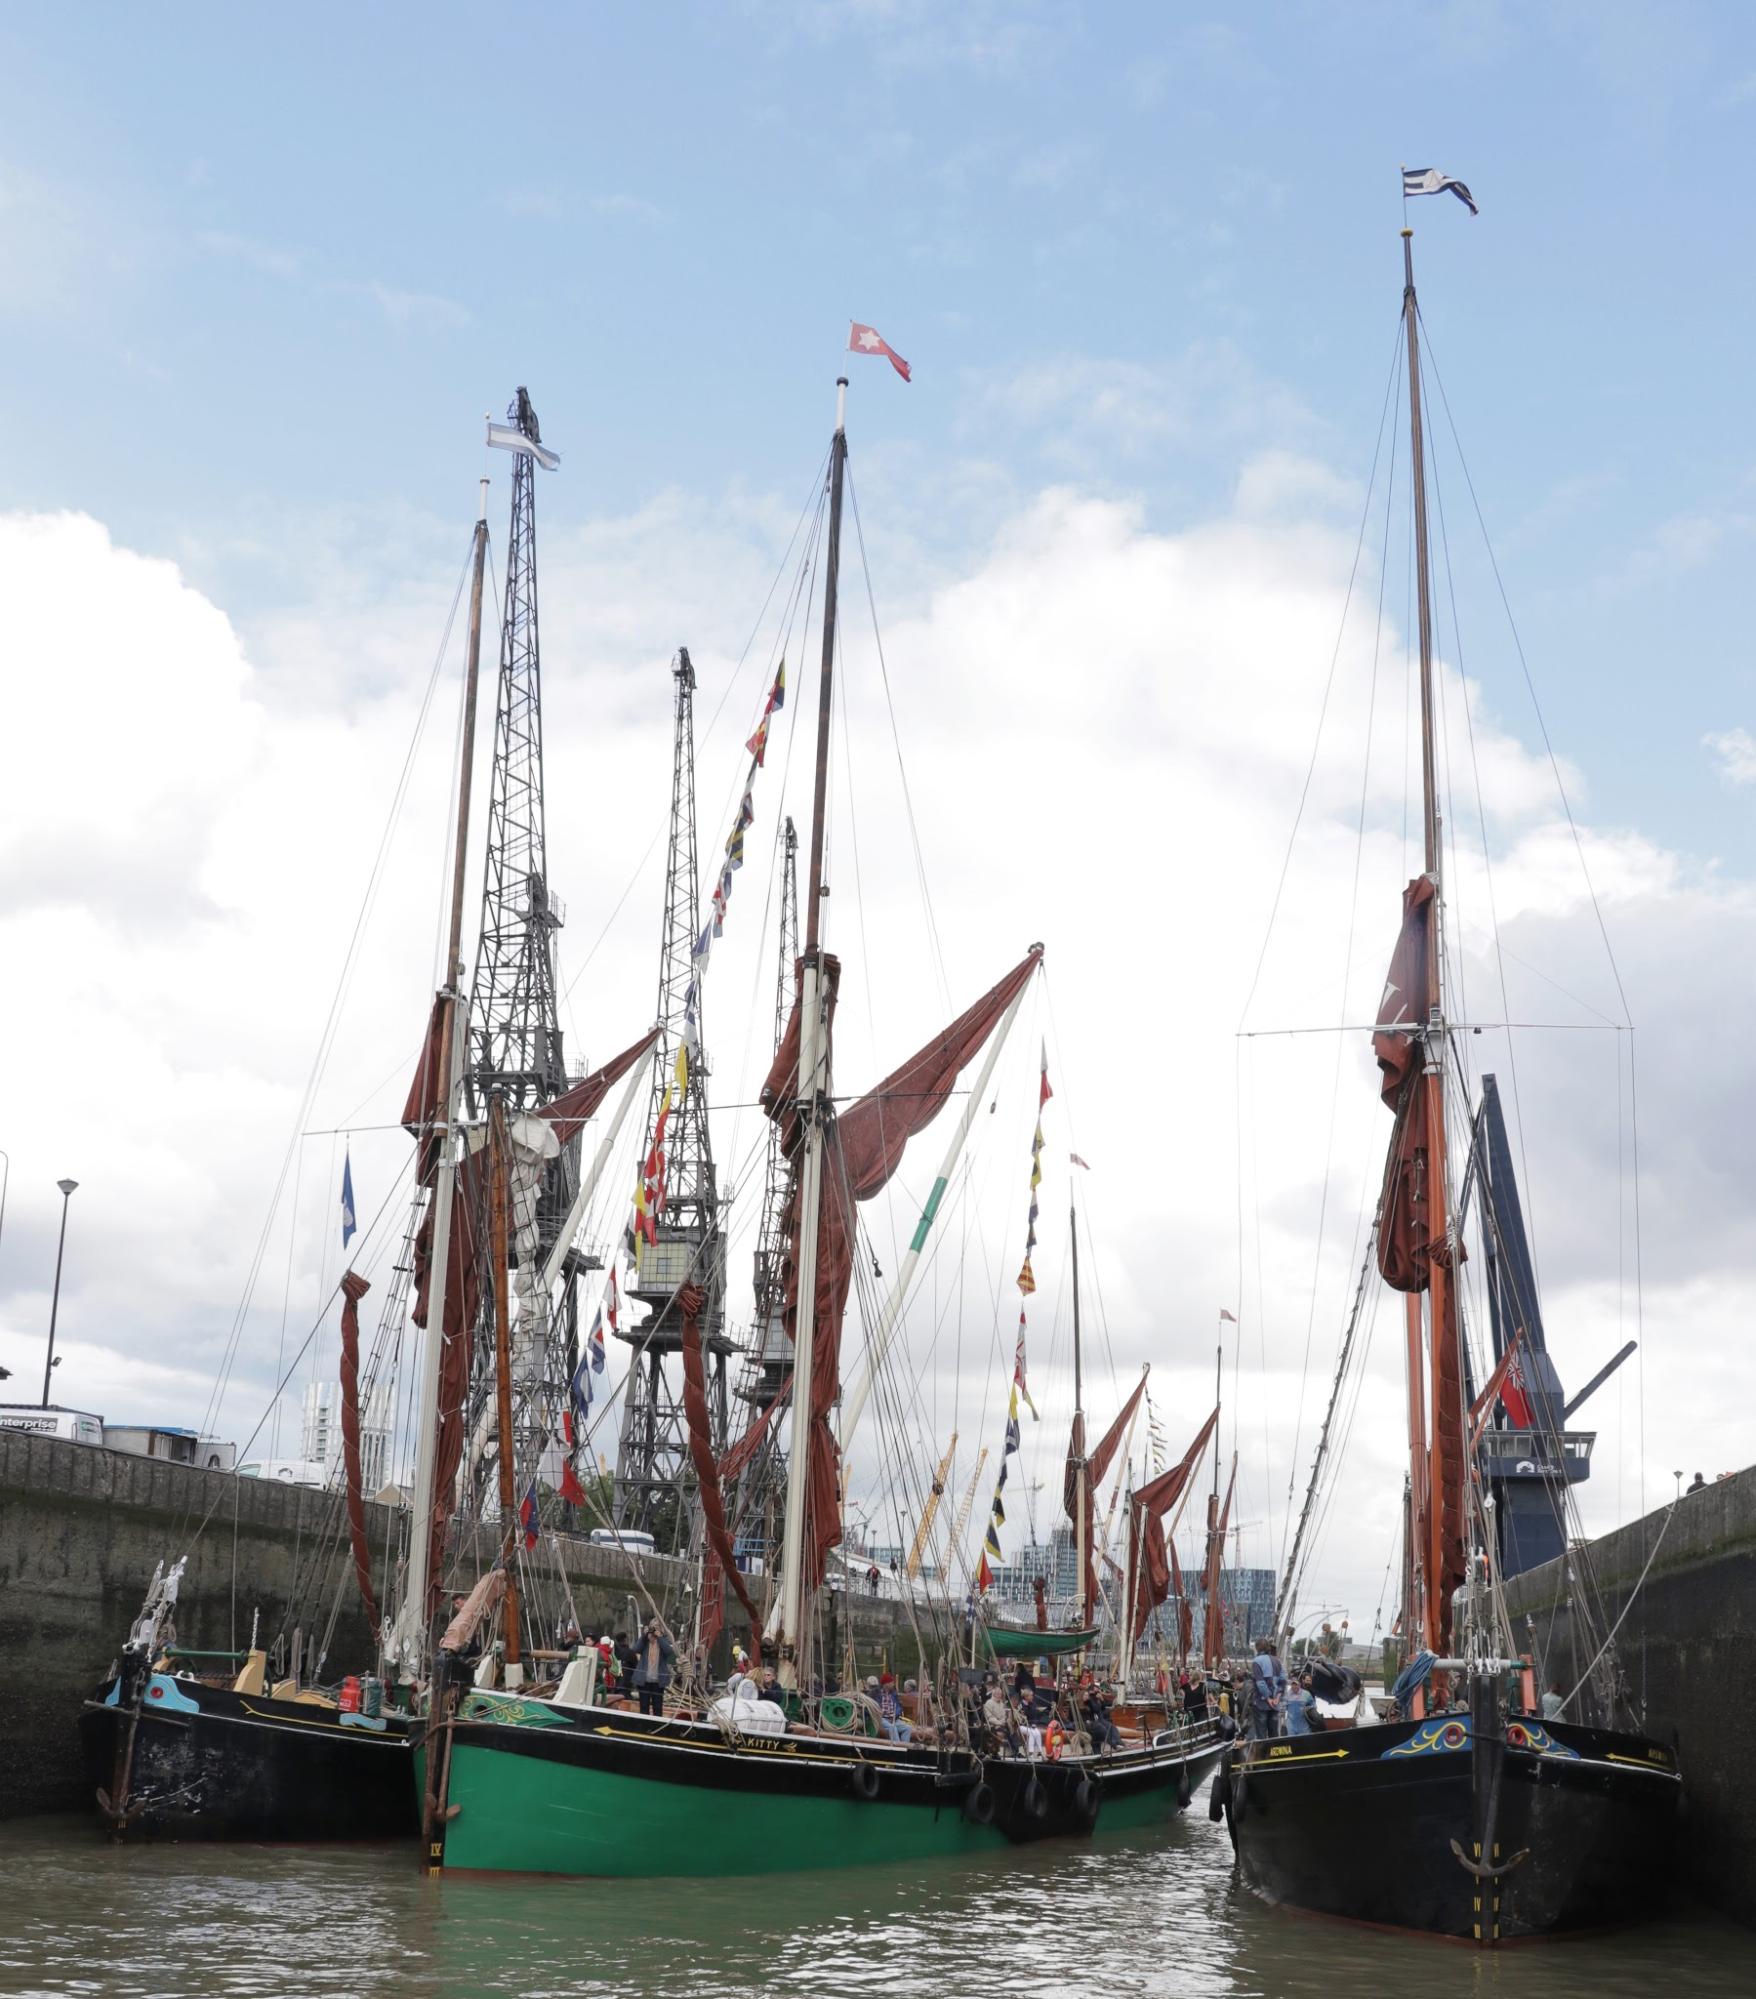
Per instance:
(259,279)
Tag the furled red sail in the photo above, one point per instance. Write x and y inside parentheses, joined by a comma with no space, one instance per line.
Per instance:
(1405,1235)
(862,1148)
(573,1109)
(1149,1558)
(1095,1468)
(719,1564)
(1185,1616)
(424,1110)
(465,1272)
(423,1115)
(1414,1251)
(353,1288)
(1213,1635)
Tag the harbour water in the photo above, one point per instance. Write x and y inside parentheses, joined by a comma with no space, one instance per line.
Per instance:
(1154,1914)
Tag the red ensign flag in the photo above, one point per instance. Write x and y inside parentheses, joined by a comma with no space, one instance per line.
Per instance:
(866,340)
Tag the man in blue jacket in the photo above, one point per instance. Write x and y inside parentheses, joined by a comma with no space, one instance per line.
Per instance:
(1268,1685)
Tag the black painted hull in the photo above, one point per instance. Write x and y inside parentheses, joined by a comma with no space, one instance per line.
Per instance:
(1360,1823)
(224,1765)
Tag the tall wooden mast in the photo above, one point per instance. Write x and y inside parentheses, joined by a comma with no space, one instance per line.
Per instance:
(1082,1512)
(813,1102)
(412,1622)
(1431,1454)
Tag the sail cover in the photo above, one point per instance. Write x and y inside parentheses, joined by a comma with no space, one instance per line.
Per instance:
(862,1149)
(718,1564)
(1213,1630)
(1149,1559)
(1405,1230)
(353,1288)
(466,1269)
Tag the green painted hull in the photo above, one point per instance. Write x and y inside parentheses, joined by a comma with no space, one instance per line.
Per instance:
(610,1795)
(522,1815)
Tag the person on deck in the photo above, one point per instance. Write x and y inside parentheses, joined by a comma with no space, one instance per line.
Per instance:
(1268,1685)
(652,1667)
(997,1722)
(1554,1707)
(890,1715)
(1099,1725)
(625,1656)
(1299,1706)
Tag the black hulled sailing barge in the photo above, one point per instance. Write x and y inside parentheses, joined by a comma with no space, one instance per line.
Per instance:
(189,1754)
(1473,1816)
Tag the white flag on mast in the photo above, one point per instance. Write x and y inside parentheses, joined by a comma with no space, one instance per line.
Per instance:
(508,437)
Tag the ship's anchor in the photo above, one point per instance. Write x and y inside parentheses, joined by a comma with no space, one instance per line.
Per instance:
(1485,1872)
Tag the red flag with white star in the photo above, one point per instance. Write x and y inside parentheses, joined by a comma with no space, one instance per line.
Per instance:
(866,340)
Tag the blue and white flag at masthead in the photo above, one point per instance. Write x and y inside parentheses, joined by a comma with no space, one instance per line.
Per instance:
(1429,180)
(348,1230)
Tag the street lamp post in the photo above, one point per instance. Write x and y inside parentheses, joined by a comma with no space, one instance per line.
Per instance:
(67,1187)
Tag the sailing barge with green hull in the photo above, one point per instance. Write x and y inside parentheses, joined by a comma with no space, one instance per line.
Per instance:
(514,1782)
(531,1788)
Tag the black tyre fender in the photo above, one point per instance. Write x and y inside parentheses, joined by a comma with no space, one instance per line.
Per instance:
(978,1804)
(1219,1795)
(863,1777)
(1086,1801)
(1035,1802)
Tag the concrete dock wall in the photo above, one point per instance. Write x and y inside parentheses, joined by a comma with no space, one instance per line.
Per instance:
(81,1530)
(1686,1649)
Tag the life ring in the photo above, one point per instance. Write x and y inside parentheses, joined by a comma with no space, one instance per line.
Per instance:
(978,1804)
(864,1779)
(1054,1741)
(1035,1802)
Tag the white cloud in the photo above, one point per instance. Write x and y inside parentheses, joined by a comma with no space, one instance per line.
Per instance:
(633,207)
(1106,729)
(1734,751)
(268,258)
(413,308)
(1085,412)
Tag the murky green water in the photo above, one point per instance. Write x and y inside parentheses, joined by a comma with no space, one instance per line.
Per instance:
(1151,1913)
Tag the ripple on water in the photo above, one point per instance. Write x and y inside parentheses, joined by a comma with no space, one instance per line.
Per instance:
(1153,1913)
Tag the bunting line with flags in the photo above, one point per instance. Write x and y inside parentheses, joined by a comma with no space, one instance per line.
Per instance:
(348,1230)
(1026,1285)
(714,923)
(649,1191)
